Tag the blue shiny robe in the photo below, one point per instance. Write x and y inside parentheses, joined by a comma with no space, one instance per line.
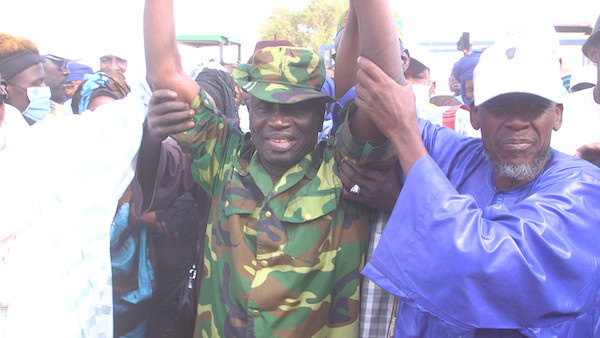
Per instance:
(463,256)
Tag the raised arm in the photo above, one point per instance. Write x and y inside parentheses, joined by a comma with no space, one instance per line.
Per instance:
(379,43)
(163,62)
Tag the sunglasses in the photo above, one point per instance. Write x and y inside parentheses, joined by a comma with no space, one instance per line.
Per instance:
(59,62)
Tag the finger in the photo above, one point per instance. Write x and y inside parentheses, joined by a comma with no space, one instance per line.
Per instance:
(175,129)
(353,173)
(346,181)
(347,195)
(369,70)
(162,95)
(168,107)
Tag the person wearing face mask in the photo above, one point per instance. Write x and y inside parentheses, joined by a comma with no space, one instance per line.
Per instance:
(22,68)
(455,116)
(420,77)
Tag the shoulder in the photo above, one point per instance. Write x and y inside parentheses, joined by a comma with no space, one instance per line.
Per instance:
(567,169)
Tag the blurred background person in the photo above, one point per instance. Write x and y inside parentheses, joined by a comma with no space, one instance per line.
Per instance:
(98,89)
(21,66)
(56,71)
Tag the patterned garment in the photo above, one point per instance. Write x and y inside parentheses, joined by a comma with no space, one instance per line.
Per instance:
(280,259)
(376,304)
(283,75)
(54,238)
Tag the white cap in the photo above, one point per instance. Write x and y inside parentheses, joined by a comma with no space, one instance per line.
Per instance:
(519,64)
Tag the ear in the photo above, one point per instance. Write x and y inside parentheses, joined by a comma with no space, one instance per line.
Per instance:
(405,57)
(558,112)
(474,113)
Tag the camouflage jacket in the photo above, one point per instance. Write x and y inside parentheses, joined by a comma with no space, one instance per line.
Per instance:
(280,259)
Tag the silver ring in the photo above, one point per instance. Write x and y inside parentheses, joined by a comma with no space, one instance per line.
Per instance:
(355,190)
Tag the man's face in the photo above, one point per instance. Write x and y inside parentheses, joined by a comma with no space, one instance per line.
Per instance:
(284,133)
(114,63)
(56,72)
(424,78)
(469,89)
(594,56)
(515,131)
(71,87)
(17,86)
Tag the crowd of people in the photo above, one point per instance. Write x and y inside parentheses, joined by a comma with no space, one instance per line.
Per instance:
(355,202)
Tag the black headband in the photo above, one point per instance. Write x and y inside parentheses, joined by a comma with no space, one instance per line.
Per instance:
(18,62)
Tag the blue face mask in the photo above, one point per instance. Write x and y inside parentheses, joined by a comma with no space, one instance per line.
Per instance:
(39,103)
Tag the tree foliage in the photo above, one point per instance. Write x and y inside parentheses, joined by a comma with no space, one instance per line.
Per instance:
(310,27)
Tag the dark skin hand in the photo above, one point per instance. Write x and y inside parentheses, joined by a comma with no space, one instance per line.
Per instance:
(589,152)
(379,188)
(165,117)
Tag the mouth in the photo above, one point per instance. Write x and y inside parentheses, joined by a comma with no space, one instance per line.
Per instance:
(281,142)
(517,144)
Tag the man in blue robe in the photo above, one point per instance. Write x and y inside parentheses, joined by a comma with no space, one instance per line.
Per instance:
(494,236)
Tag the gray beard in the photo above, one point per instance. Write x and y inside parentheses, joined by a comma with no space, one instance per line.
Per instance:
(521,172)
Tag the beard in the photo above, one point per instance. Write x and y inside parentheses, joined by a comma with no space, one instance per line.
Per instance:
(524,171)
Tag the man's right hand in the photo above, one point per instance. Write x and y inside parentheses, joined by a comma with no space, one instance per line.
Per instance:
(167,116)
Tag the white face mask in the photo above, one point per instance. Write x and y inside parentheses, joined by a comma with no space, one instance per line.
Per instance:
(421,98)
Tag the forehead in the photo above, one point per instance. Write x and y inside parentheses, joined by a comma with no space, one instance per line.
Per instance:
(308,104)
(30,74)
(517,102)
(112,57)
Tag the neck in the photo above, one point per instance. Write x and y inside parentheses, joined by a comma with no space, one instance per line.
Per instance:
(506,183)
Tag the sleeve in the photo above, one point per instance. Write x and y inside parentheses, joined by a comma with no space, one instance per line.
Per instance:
(212,143)
(70,170)
(173,179)
(532,264)
(361,152)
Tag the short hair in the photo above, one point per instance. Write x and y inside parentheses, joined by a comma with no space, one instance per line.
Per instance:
(12,44)
(17,54)
(415,68)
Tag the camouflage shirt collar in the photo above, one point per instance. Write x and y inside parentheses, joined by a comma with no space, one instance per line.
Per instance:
(308,167)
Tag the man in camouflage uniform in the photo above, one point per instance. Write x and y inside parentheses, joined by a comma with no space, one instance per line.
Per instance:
(283,252)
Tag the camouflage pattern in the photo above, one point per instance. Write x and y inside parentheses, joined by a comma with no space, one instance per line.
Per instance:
(283,75)
(280,259)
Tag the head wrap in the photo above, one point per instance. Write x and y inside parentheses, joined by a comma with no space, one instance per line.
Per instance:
(220,86)
(13,64)
(108,83)
(463,71)
(77,71)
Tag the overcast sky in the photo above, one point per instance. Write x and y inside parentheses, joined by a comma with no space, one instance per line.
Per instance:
(86,28)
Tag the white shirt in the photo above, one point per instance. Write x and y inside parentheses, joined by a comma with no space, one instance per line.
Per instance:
(13,124)
(61,181)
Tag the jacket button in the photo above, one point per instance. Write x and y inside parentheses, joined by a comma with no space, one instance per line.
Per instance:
(255,313)
(267,214)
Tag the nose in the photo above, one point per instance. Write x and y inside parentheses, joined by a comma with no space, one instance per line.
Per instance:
(279,118)
(517,122)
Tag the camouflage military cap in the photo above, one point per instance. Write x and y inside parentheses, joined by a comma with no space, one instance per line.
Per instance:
(283,75)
